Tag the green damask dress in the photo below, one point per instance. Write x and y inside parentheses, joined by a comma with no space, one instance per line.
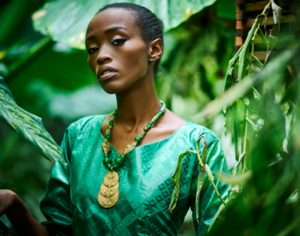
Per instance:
(145,186)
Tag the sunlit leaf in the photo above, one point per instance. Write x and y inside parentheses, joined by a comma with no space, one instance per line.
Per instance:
(67,21)
(234,180)
(208,171)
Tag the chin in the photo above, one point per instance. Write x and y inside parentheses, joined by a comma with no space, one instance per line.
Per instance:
(112,88)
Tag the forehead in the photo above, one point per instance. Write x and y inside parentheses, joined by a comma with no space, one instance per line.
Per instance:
(113,17)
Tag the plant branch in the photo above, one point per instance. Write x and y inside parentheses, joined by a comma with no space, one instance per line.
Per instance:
(203,167)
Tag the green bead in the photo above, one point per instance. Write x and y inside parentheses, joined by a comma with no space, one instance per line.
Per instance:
(109,165)
(148,127)
(115,113)
(116,166)
(150,123)
(123,157)
(138,139)
(106,155)
(107,136)
(106,161)
(119,161)
(111,122)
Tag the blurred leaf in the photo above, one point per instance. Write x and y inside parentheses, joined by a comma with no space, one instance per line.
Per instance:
(254,126)
(11,16)
(289,228)
(246,101)
(29,126)
(4,231)
(234,180)
(256,94)
(271,73)
(219,215)
(226,9)
(258,62)
(68,105)
(3,69)
(67,21)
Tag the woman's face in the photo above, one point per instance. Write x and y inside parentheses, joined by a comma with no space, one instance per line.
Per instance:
(118,56)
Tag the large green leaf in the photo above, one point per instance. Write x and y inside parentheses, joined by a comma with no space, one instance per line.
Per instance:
(67,20)
(28,125)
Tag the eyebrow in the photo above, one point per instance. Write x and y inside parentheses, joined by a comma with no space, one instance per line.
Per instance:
(107,31)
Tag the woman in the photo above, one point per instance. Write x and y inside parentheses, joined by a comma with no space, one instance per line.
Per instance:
(110,188)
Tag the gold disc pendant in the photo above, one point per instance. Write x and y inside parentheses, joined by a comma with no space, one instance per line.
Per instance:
(109,190)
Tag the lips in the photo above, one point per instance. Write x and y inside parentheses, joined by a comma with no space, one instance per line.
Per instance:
(103,69)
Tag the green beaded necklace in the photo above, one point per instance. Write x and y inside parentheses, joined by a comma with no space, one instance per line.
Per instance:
(106,146)
(109,190)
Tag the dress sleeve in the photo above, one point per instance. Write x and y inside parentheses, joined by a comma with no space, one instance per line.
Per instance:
(209,201)
(56,202)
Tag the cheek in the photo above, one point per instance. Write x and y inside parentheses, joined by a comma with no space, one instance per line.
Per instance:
(135,60)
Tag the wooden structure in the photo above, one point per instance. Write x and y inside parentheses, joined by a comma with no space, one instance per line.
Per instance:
(246,12)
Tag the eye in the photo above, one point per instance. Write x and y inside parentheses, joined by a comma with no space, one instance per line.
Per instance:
(118,42)
(91,50)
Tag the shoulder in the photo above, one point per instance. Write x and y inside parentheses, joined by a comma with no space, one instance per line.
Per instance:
(189,130)
(85,123)
(193,132)
(215,157)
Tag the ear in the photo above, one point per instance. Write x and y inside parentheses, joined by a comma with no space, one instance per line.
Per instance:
(155,50)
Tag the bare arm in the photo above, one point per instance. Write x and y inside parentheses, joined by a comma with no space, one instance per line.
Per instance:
(19,216)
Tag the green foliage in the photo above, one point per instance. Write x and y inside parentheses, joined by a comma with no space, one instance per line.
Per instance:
(66,21)
(4,231)
(265,199)
(53,80)
(194,61)
(176,180)
(28,125)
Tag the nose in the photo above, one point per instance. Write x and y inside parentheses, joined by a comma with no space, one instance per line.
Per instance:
(103,55)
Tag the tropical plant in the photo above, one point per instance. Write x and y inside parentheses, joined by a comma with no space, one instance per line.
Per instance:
(263,115)
(39,72)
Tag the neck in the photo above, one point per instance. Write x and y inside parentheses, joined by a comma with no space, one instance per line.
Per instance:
(137,105)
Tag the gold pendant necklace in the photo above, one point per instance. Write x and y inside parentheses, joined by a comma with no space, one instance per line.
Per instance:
(109,189)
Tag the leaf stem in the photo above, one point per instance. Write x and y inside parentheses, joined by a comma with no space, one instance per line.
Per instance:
(203,168)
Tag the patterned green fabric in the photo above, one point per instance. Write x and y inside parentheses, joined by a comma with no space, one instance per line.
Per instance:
(70,202)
